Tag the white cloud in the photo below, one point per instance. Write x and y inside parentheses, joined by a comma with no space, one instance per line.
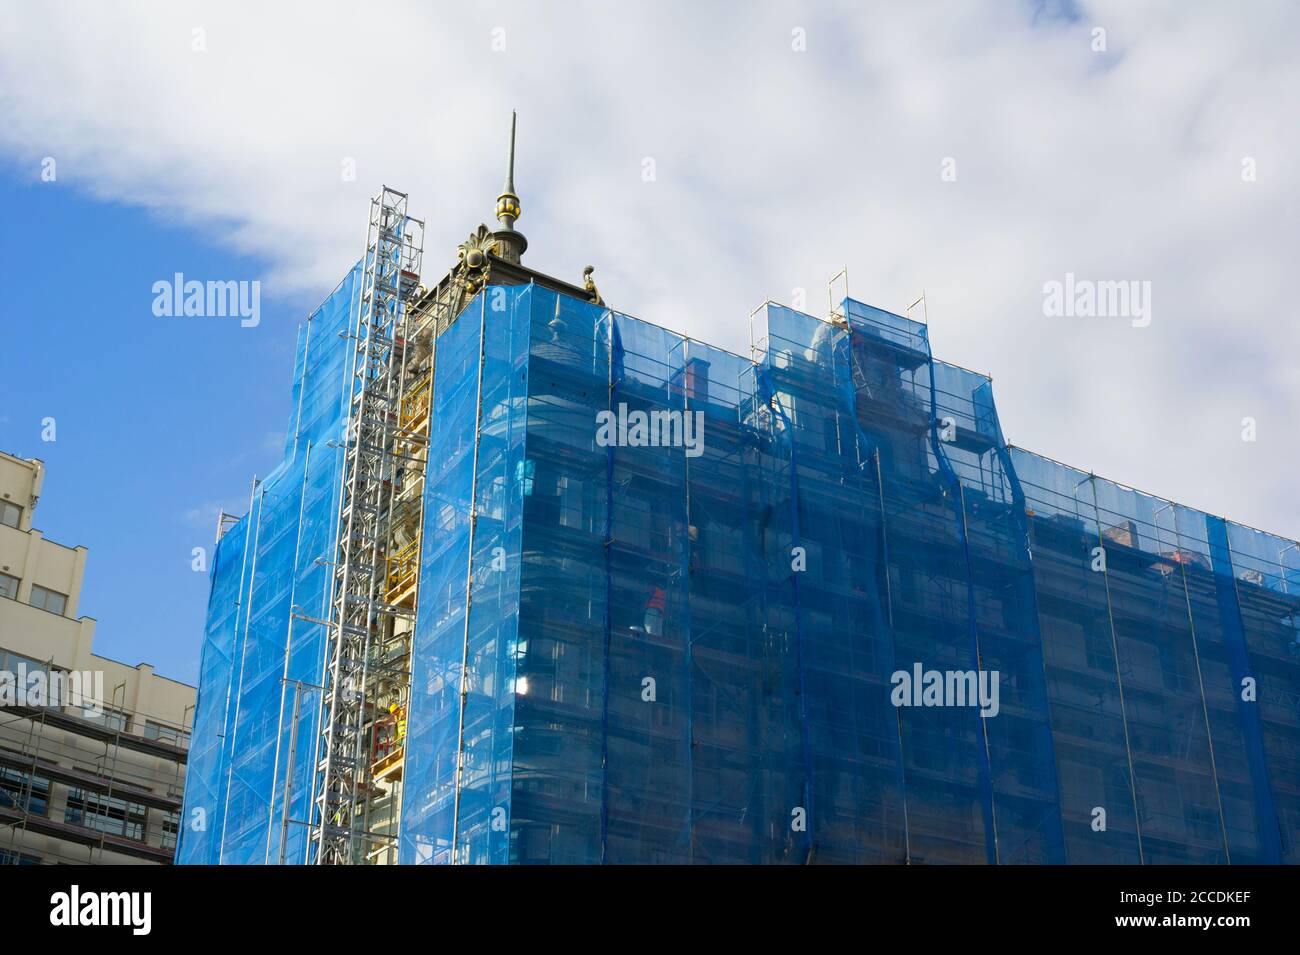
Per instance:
(774,168)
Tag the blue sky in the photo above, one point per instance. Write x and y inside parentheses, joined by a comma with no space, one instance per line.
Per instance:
(217,140)
(159,421)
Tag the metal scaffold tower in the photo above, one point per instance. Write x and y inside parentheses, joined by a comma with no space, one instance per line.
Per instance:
(362,621)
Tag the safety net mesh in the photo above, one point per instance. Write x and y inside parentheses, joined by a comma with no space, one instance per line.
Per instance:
(672,601)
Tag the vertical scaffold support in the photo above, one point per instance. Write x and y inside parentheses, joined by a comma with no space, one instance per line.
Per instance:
(358,612)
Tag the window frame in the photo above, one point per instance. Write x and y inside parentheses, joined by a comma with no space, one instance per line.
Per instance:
(111,815)
(13,782)
(118,721)
(47,592)
(13,857)
(166,733)
(9,661)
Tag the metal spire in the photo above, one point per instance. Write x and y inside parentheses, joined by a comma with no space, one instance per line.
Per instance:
(510,245)
(510,169)
(508,201)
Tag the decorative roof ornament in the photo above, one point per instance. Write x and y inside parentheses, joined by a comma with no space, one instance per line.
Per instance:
(511,244)
(475,266)
(590,285)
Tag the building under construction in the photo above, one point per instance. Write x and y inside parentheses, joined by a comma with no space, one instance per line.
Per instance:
(538,582)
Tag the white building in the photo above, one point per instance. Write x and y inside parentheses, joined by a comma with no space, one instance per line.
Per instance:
(95,780)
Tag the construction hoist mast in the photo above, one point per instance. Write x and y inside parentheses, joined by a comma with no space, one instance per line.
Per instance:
(361,619)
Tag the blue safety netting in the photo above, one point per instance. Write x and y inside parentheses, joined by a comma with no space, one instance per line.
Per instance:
(248,785)
(463,684)
(1148,658)
(687,651)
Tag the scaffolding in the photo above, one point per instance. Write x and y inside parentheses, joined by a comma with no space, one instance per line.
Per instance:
(360,612)
(390,668)
(927,539)
(492,588)
(111,793)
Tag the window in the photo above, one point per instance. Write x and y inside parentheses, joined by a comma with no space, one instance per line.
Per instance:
(164,733)
(23,791)
(1101,655)
(51,600)
(10,513)
(571,501)
(105,814)
(29,681)
(111,719)
(18,858)
(170,827)
(8,586)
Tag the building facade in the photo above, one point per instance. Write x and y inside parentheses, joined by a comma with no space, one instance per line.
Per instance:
(92,751)
(630,598)
(644,650)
